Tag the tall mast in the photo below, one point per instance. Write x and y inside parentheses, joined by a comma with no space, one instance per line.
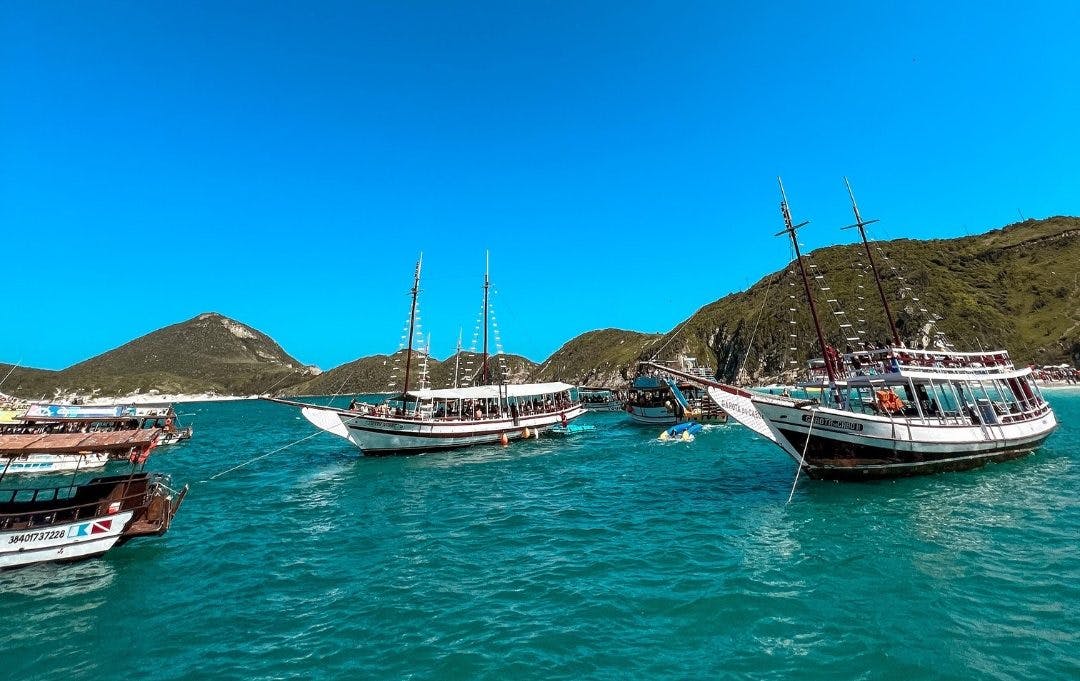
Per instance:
(861,224)
(789,229)
(412,323)
(457,359)
(484,378)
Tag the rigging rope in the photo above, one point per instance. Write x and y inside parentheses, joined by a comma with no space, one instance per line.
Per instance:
(10,371)
(673,335)
(761,312)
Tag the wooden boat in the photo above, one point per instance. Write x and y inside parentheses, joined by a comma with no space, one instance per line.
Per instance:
(79,521)
(68,418)
(49,452)
(425,419)
(894,411)
(656,399)
(75,521)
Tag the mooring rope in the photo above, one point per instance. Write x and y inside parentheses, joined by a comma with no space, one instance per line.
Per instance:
(802,457)
(215,476)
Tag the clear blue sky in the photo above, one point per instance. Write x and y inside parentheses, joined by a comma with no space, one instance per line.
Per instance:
(283,163)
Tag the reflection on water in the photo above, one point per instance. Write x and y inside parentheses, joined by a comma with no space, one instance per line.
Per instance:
(58,581)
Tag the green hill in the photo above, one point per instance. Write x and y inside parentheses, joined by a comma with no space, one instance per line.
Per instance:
(27,382)
(600,358)
(385,373)
(1014,287)
(209,353)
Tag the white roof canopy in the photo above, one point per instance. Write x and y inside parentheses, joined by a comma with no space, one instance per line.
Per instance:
(482,392)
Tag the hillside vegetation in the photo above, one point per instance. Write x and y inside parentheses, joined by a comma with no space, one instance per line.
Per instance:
(606,357)
(209,353)
(386,373)
(1015,287)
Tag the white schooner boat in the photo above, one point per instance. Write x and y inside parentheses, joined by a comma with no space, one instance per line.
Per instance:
(425,419)
(894,411)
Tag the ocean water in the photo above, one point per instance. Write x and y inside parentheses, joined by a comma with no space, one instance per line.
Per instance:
(603,555)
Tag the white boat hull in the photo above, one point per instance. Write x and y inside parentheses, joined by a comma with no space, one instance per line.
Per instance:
(847,445)
(389,435)
(53,463)
(72,541)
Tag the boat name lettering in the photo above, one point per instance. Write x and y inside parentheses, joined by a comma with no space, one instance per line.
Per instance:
(737,407)
(36,536)
(832,423)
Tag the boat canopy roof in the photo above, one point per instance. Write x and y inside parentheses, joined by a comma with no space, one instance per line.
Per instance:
(77,443)
(482,392)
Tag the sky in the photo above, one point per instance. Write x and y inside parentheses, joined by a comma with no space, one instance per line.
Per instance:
(285,163)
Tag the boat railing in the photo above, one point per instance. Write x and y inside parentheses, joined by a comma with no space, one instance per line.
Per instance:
(875,363)
(138,491)
(982,412)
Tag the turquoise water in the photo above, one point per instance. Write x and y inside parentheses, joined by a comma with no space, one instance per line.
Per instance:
(605,555)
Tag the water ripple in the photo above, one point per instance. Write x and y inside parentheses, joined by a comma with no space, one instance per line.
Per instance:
(607,555)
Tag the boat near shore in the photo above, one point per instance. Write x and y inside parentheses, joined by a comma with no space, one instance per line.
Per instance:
(424,419)
(79,418)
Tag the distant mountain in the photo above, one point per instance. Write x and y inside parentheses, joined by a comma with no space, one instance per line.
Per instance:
(598,358)
(209,353)
(1015,287)
(384,373)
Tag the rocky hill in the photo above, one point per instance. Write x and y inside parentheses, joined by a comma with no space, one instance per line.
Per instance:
(385,373)
(1015,287)
(598,358)
(209,353)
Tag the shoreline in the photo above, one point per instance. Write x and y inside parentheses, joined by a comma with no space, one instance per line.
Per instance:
(178,398)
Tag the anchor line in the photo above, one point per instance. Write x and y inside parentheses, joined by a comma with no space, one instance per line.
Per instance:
(215,476)
(802,457)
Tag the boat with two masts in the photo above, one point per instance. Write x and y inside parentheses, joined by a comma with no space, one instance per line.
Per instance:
(893,411)
(423,419)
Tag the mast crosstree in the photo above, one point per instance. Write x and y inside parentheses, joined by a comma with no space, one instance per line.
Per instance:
(790,229)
